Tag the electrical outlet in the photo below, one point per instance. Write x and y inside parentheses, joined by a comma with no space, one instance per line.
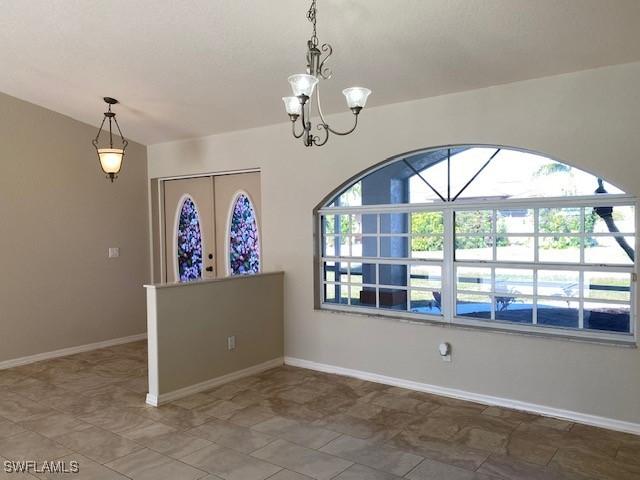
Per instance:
(114,252)
(231,342)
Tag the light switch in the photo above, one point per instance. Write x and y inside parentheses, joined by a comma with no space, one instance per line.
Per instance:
(231,342)
(114,252)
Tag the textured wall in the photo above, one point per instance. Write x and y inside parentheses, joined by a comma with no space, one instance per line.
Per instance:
(58,217)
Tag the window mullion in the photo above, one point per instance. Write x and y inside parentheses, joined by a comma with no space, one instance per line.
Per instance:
(581,300)
(408,281)
(534,301)
(493,293)
(536,235)
(379,254)
(582,236)
(494,234)
(448,269)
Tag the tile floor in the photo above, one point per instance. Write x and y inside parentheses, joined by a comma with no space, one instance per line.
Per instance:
(285,424)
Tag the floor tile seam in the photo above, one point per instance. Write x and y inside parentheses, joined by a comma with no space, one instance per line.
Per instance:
(339,434)
(21,424)
(23,397)
(355,462)
(351,463)
(148,447)
(555,454)
(281,469)
(557,449)
(127,430)
(344,469)
(273,439)
(406,475)
(107,431)
(56,458)
(257,458)
(477,470)
(304,424)
(104,464)
(109,468)
(169,459)
(278,437)
(18,424)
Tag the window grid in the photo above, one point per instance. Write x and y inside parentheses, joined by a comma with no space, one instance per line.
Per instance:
(448,265)
(493,235)
(338,271)
(580,298)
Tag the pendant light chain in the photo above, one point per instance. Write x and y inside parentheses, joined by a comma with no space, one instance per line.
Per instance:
(311,16)
(110,132)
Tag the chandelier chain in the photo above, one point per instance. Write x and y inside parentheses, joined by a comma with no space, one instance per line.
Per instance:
(311,16)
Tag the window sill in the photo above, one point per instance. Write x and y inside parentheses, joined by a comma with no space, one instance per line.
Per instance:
(625,340)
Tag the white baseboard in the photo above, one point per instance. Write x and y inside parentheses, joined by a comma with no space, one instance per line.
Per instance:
(155,400)
(16,362)
(594,420)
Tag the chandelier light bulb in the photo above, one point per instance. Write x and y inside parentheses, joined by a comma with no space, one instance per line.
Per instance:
(303,84)
(292,105)
(356,96)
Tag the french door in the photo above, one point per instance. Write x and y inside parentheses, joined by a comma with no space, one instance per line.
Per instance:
(211,227)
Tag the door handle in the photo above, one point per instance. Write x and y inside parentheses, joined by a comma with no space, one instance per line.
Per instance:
(209,269)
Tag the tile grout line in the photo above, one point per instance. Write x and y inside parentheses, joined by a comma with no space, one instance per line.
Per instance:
(272,476)
(424,459)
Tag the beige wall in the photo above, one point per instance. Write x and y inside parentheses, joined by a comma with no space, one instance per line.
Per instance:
(58,217)
(189,324)
(589,119)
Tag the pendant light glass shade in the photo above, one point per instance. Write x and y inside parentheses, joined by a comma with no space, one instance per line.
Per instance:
(356,96)
(292,105)
(111,160)
(302,84)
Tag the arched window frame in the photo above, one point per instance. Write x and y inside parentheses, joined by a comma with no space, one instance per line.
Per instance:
(227,248)
(449,289)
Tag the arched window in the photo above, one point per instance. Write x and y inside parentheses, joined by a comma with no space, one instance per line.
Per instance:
(189,242)
(483,236)
(244,247)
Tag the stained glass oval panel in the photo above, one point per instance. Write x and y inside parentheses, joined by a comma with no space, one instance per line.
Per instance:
(244,248)
(189,243)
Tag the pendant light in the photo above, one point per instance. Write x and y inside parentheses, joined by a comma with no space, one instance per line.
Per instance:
(110,157)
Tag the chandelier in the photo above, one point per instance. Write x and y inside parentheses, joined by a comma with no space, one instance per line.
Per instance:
(110,158)
(303,85)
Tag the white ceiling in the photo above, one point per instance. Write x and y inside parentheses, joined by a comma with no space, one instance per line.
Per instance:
(186,68)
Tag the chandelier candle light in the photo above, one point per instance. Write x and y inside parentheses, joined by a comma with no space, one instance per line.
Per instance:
(303,86)
(110,158)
